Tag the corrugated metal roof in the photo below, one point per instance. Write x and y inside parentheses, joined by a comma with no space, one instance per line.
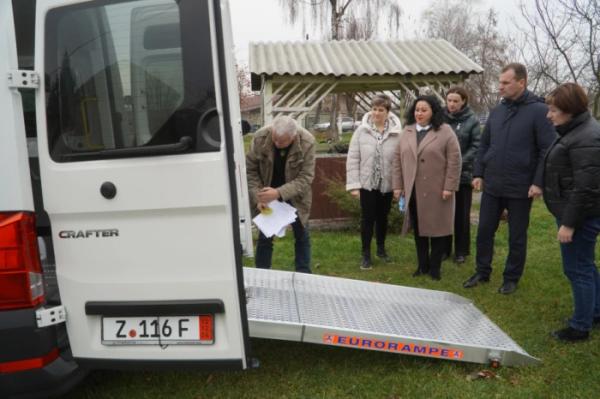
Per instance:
(348,58)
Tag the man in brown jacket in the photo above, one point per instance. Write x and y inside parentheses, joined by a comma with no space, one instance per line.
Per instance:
(280,165)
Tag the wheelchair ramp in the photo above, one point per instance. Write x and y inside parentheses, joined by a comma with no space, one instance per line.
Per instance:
(374,316)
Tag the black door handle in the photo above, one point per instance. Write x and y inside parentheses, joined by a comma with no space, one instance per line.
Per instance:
(108,190)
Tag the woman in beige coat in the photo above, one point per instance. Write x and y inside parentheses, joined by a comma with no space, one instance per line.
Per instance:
(427,173)
(369,173)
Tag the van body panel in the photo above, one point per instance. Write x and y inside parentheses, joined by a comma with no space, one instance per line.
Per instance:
(16,193)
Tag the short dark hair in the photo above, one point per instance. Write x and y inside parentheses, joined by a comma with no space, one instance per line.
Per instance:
(519,69)
(461,91)
(570,98)
(437,119)
(381,100)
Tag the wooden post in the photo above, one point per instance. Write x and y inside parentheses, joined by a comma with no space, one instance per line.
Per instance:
(267,101)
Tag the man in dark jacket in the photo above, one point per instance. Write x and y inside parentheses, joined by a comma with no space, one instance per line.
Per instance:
(509,169)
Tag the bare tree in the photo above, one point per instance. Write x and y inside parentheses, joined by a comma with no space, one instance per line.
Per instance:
(476,35)
(344,20)
(492,53)
(562,44)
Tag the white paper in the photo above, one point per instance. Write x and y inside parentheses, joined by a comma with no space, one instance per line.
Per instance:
(276,222)
(281,232)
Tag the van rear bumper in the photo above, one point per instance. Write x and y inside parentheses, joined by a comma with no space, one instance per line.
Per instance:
(34,362)
(51,381)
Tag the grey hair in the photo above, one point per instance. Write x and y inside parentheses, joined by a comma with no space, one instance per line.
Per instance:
(284,126)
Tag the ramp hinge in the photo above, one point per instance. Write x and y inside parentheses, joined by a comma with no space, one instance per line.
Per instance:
(22,79)
(50,316)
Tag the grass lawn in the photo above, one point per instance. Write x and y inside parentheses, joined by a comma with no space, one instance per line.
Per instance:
(293,370)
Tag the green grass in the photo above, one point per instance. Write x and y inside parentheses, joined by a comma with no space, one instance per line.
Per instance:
(294,370)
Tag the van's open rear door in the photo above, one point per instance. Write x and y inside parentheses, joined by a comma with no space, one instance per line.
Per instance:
(136,156)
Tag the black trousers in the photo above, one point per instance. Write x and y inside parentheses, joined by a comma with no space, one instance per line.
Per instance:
(428,262)
(375,208)
(462,222)
(518,222)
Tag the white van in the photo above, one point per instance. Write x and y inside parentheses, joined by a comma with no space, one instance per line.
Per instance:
(123,209)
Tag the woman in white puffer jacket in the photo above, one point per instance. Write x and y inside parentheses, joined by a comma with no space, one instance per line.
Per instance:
(369,173)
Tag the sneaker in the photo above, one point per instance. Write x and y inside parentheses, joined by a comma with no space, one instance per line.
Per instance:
(570,334)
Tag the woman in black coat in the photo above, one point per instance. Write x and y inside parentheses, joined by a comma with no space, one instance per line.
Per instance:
(572,194)
(466,126)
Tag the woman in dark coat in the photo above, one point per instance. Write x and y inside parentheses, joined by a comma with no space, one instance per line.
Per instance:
(572,194)
(466,126)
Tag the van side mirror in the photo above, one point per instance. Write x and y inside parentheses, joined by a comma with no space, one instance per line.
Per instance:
(246,128)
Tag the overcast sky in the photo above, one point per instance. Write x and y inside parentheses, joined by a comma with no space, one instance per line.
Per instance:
(263,20)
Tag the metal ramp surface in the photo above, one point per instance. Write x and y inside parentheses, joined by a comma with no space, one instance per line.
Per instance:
(374,316)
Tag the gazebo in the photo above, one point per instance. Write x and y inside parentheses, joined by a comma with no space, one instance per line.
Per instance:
(294,77)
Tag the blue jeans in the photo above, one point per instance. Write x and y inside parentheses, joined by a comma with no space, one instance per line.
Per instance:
(580,269)
(264,249)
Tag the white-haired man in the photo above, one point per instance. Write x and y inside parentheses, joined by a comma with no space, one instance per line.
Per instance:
(280,165)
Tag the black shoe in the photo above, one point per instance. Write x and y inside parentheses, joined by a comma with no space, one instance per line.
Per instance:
(383,255)
(366,263)
(436,276)
(420,272)
(460,259)
(508,287)
(570,334)
(475,279)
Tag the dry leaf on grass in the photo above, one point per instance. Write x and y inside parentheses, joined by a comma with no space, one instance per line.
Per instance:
(485,374)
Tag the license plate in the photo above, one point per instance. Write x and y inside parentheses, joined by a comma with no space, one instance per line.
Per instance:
(163,330)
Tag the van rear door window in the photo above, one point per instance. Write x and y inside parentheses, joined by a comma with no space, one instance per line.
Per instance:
(130,78)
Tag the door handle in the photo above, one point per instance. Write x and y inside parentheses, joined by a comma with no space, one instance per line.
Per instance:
(108,190)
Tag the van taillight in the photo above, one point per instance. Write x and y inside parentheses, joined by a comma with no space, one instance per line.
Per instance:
(21,284)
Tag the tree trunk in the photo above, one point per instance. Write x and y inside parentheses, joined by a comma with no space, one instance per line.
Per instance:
(334,20)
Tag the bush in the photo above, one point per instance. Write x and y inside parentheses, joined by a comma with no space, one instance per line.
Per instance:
(340,148)
(336,190)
